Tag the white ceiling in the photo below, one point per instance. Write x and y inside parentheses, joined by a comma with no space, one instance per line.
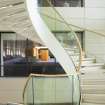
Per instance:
(14,17)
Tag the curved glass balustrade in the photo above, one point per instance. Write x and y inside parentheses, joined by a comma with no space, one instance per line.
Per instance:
(65,46)
(63,33)
(56,89)
(94,40)
(52,90)
(55,22)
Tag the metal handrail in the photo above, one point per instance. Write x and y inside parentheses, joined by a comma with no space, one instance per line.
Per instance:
(84,29)
(78,42)
(64,75)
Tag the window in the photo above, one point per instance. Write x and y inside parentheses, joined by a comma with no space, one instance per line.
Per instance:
(62,3)
(18,59)
(13,45)
(15,61)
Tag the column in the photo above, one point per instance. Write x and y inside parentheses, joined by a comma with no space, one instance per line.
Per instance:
(1,55)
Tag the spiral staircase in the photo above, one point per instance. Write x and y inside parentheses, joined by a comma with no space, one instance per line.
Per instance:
(48,89)
(38,26)
(74,53)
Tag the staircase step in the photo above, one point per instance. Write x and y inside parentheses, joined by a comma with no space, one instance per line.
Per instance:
(88,59)
(93,76)
(74,54)
(94,65)
(92,69)
(11,103)
(87,62)
(69,49)
(90,104)
(92,81)
(95,72)
(94,98)
(93,89)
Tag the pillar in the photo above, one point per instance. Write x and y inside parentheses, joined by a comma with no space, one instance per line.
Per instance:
(1,56)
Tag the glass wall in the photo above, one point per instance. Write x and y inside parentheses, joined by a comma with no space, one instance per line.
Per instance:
(49,90)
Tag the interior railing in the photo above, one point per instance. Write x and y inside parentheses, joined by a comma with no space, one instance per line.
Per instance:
(58,89)
(52,90)
(63,33)
(97,46)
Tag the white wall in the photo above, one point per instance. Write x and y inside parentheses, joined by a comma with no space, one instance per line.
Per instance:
(91,17)
(95,20)
(95,46)
(11,89)
(95,14)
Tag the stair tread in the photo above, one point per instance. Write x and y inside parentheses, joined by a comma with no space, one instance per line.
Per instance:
(91,69)
(96,77)
(87,59)
(93,84)
(93,89)
(94,98)
(90,104)
(95,95)
(94,64)
(92,81)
